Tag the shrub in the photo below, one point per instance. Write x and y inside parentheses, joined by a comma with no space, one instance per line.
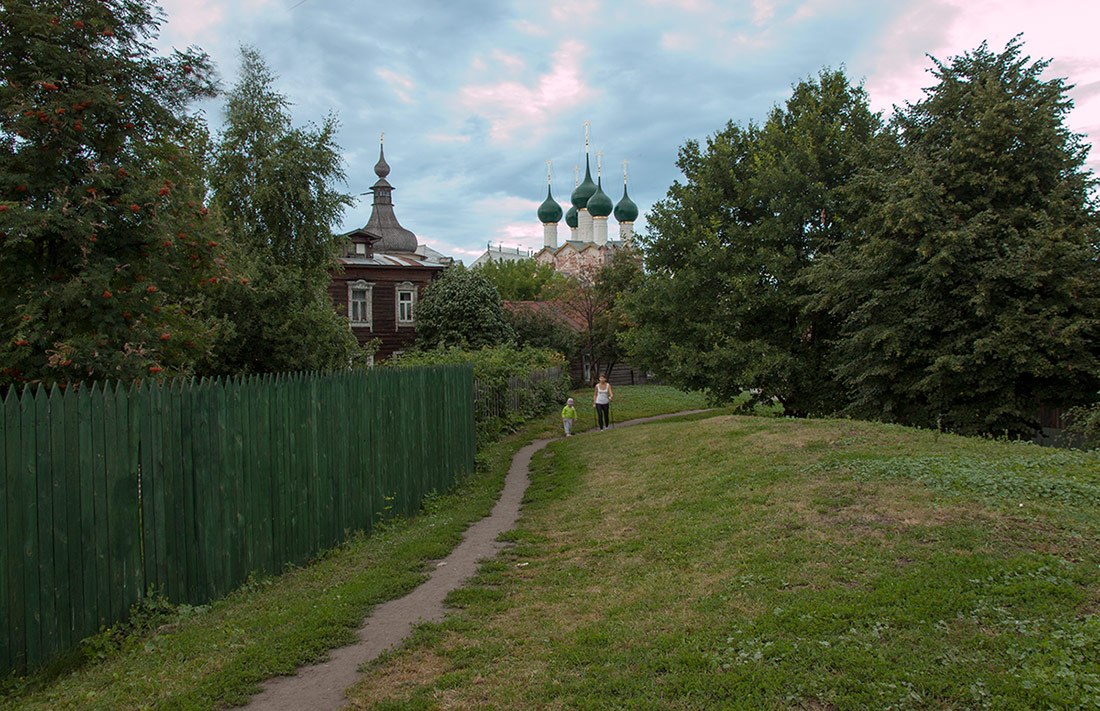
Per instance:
(513,385)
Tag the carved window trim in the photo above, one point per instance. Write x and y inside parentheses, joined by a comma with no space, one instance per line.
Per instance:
(408,289)
(363,316)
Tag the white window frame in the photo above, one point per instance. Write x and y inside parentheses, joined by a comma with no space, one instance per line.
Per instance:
(367,286)
(405,287)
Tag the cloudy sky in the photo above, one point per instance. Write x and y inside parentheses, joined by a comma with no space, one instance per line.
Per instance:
(474,96)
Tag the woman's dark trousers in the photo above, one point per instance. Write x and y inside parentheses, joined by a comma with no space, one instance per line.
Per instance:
(603,415)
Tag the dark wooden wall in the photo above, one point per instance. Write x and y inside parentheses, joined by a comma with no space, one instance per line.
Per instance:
(384,302)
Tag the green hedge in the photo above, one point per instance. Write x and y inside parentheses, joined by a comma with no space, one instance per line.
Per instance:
(513,384)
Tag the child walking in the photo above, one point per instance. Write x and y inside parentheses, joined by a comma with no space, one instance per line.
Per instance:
(568,416)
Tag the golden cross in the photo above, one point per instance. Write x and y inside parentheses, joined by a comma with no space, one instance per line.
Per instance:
(380,138)
(624,171)
(547,172)
(599,162)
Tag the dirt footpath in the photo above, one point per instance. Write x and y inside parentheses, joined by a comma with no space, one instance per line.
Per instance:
(321,687)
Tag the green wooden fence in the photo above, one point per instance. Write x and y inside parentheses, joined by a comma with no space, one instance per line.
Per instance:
(186,488)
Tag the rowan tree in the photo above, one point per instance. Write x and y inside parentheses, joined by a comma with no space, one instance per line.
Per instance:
(106,243)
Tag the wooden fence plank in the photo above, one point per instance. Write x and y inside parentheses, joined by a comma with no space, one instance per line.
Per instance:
(70,403)
(232,476)
(28,485)
(192,495)
(65,420)
(266,476)
(278,464)
(142,413)
(155,416)
(220,486)
(85,423)
(123,506)
(47,583)
(171,467)
(300,457)
(9,526)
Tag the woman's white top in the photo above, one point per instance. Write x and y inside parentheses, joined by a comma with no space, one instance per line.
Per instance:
(603,396)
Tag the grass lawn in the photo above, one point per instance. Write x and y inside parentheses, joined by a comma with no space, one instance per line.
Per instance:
(203,658)
(749,563)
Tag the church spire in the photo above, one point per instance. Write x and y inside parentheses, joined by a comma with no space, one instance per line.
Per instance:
(383,222)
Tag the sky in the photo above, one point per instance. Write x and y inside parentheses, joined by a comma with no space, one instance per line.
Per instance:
(475,96)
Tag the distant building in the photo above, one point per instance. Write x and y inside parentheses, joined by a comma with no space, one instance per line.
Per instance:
(587,246)
(502,254)
(384,272)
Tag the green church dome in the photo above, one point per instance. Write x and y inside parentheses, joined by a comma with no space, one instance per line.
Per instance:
(549,210)
(571,217)
(626,210)
(585,190)
(599,205)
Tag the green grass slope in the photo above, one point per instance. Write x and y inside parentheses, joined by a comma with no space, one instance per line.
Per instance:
(748,563)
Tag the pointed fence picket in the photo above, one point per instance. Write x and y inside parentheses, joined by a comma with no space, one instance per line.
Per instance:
(183,489)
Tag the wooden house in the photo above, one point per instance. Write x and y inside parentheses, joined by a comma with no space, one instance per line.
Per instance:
(383,274)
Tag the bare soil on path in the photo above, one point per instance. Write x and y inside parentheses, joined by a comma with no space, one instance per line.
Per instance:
(321,687)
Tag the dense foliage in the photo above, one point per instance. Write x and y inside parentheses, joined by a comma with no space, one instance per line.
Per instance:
(595,299)
(107,245)
(461,308)
(723,307)
(939,271)
(513,383)
(544,328)
(520,280)
(274,185)
(969,292)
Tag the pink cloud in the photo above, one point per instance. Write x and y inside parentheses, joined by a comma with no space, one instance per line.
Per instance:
(511,107)
(946,28)
(510,61)
(567,11)
(189,19)
(447,138)
(763,11)
(688,5)
(525,235)
(401,85)
(530,28)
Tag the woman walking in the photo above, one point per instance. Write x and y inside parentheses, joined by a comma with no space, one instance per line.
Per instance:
(602,402)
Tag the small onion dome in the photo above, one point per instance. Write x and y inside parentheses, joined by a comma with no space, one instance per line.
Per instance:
(549,210)
(599,205)
(626,210)
(571,217)
(381,168)
(585,190)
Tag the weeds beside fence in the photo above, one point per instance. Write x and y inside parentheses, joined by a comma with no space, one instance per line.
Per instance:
(185,489)
(503,404)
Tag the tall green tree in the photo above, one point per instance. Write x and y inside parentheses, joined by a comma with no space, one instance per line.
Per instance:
(595,298)
(274,186)
(724,306)
(973,294)
(461,309)
(519,280)
(542,326)
(107,246)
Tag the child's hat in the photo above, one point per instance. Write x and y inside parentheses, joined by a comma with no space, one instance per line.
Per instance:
(569,401)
